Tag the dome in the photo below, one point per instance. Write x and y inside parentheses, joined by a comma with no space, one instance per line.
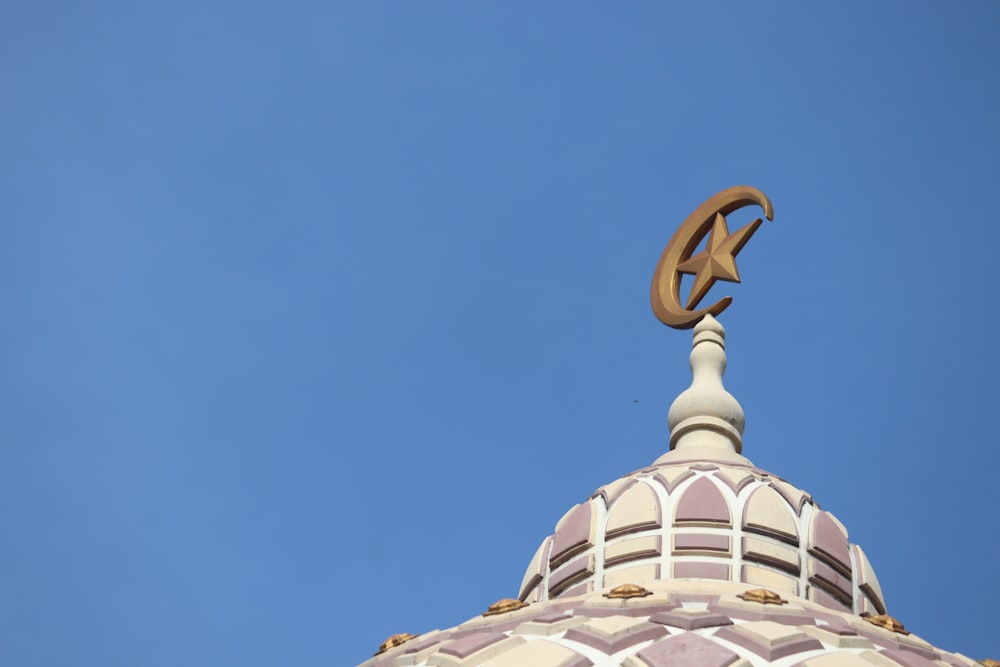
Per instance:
(700,559)
(713,520)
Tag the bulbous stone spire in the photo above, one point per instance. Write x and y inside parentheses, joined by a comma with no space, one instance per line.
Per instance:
(705,420)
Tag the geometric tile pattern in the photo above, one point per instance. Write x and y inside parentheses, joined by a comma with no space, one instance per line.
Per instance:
(704,520)
(683,623)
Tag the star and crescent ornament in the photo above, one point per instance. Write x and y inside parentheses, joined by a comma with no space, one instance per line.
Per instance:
(716,262)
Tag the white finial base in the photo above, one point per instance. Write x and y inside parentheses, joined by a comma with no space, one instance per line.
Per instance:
(705,420)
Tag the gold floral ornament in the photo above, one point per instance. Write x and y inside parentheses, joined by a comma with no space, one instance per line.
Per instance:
(886,621)
(626,591)
(503,606)
(990,663)
(763,596)
(394,641)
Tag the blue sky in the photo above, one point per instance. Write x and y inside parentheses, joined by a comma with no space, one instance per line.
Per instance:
(317,316)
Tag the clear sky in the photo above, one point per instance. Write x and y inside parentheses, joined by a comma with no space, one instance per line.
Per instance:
(317,316)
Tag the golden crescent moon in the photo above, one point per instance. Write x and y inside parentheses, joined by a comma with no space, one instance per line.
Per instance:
(665,292)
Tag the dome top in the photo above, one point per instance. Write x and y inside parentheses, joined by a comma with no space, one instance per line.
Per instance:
(703,511)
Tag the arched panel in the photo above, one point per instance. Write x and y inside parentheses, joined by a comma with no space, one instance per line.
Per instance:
(637,509)
(702,503)
(767,513)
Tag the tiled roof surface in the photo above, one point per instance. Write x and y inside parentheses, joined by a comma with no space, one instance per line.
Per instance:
(703,624)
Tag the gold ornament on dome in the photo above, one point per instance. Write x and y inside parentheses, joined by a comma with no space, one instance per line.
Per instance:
(990,663)
(886,621)
(763,596)
(626,591)
(503,606)
(394,641)
(716,262)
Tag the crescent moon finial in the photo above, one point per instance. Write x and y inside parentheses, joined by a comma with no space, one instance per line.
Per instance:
(716,262)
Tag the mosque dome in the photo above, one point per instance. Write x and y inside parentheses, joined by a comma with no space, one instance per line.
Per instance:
(700,559)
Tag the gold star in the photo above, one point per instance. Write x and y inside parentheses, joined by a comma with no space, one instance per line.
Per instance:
(718,260)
